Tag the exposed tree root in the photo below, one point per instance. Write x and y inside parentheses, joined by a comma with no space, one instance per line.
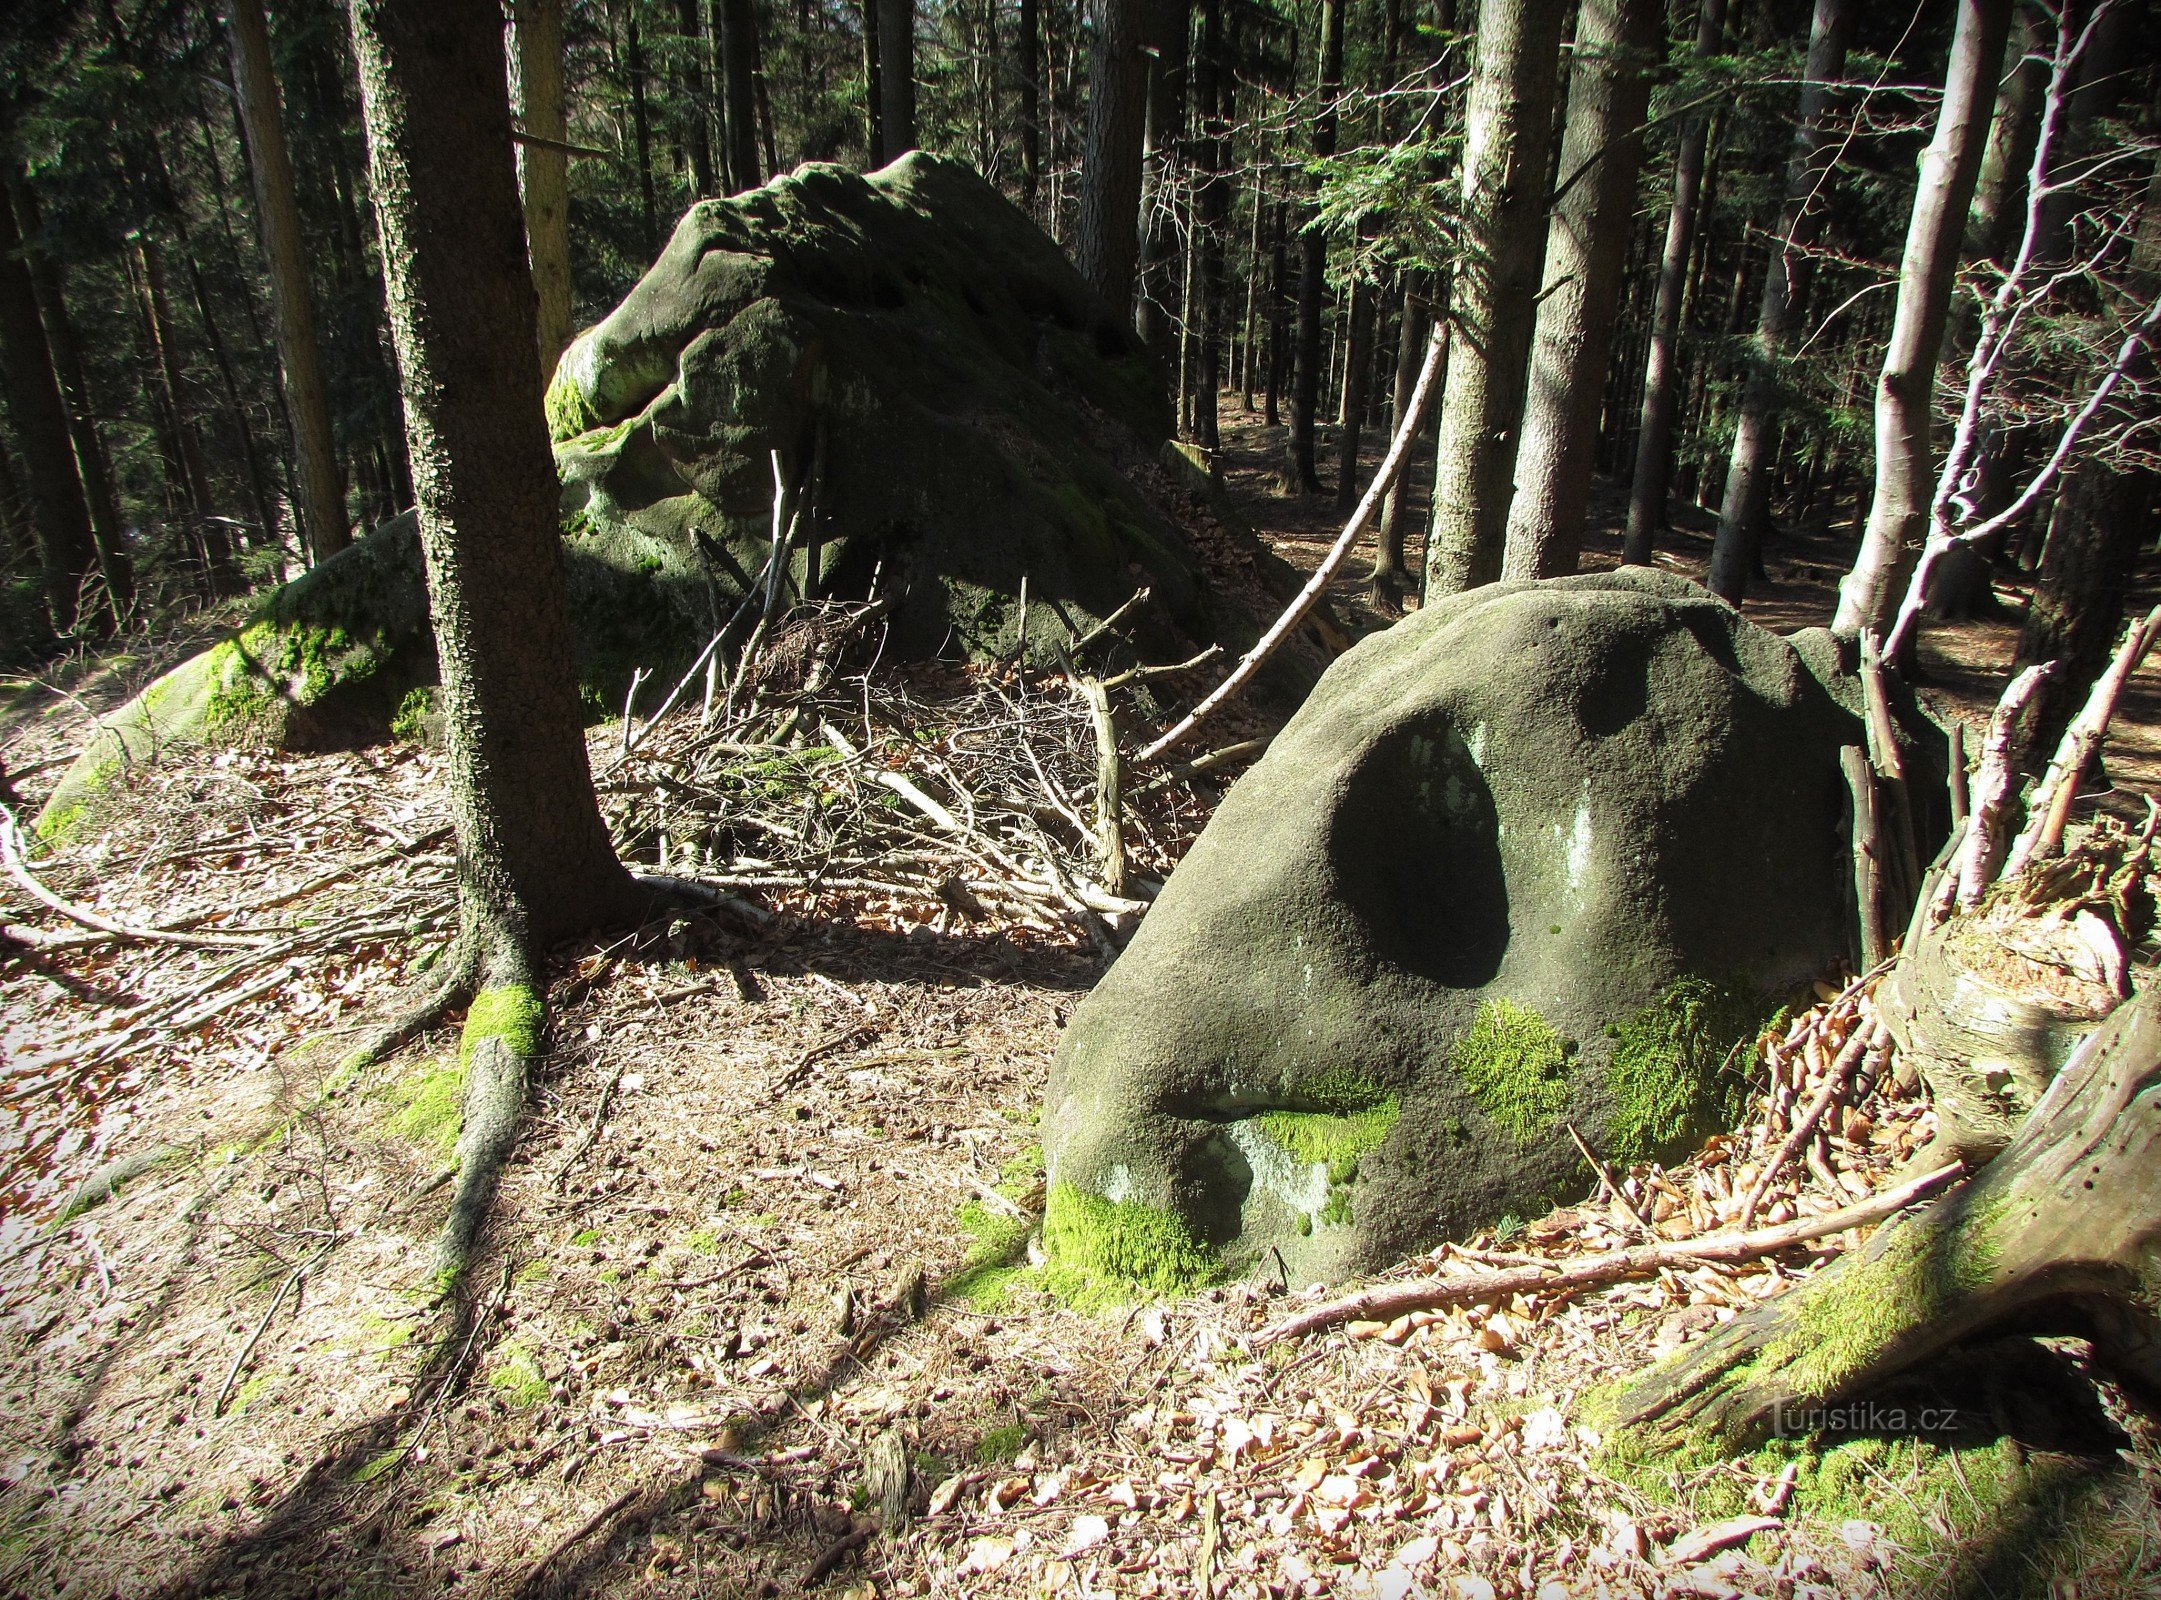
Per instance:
(2062,1231)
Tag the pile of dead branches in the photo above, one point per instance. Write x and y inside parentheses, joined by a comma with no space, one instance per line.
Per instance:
(987,795)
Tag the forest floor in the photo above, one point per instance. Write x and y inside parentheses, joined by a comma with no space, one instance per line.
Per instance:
(767,1224)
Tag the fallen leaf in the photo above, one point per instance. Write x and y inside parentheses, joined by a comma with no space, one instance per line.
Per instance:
(1086,1533)
(988,1554)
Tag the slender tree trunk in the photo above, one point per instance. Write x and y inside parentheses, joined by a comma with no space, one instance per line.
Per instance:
(62,516)
(1662,372)
(1905,463)
(1300,473)
(1170,28)
(1211,211)
(1351,413)
(873,87)
(1586,247)
(1506,154)
(896,68)
(1106,237)
(236,409)
(739,69)
(1747,504)
(534,861)
(208,532)
(692,34)
(1030,46)
(544,174)
(641,130)
(1391,579)
(1999,195)
(49,279)
(765,101)
(316,495)
(1278,310)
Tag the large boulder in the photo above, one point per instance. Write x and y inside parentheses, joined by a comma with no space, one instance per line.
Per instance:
(1541,856)
(967,419)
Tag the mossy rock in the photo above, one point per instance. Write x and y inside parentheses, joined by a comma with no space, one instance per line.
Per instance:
(980,421)
(1539,855)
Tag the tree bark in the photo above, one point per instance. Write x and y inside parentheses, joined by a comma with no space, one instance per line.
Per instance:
(1351,414)
(1508,131)
(1170,25)
(641,128)
(1747,503)
(317,496)
(544,174)
(61,515)
(1107,232)
(896,71)
(1300,474)
(1586,248)
(1662,371)
(1391,579)
(1999,195)
(692,34)
(1905,466)
(49,280)
(535,862)
(1030,47)
(739,69)
(873,87)
(2057,1233)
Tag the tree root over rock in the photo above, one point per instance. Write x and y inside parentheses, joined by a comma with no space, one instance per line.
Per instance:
(2062,1232)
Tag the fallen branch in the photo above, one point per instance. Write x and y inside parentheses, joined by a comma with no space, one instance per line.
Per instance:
(18,868)
(1388,1301)
(1399,450)
(1834,1085)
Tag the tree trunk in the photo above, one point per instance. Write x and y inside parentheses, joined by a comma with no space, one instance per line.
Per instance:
(1391,579)
(1170,25)
(1030,46)
(692,35)
(1747,504)
(49,280)
(61,515)
(1586,248)
(1107,232)
(1999,195)
(1662,371)
(2078,596)
(641,128)
(535,863)
(739,69)
(1211,209)
(316,494)
(896,70)
(1507,149)
(544,174)
(1905,465)
(207,531)
(2058,1233)
(1351,414)
(873,87)
(1300,474)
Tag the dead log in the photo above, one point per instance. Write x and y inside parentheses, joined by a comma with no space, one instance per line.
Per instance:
(2061,1233)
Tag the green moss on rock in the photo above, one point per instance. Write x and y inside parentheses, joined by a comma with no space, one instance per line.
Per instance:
(1516,1066)
(1676,1069)
(411,720)
(1336,1142)
(1111,1252)
(569,412)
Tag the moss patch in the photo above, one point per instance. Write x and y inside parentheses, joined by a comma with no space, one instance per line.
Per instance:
(410,721)
(516,1376)
(429,1106)
(512,1012)
(1516,1066)
(997,1260)
(569,412)
(1112,1252)
(1669,1080)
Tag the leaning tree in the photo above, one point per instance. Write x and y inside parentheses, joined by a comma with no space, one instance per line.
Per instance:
(534,860)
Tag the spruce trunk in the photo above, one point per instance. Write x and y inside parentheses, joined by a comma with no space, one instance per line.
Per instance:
(1586,248)
(1507,149)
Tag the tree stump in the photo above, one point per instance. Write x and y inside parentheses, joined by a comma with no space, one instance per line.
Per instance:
(2062,1233)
